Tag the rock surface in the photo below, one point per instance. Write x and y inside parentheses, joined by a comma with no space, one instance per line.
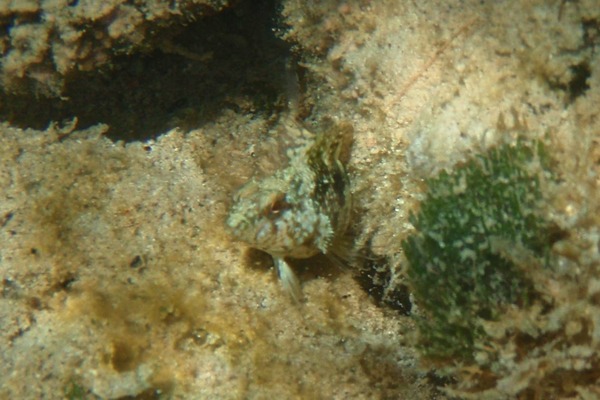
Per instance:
(118,276)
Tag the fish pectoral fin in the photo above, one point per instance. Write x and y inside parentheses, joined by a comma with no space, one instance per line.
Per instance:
(288,279)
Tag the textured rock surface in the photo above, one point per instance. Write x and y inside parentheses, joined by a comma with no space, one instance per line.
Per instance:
(118,278)
(46,41)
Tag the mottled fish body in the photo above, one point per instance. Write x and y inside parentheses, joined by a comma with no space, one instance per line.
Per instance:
(301,210)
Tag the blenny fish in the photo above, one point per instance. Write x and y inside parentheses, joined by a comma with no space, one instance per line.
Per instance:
(301,210)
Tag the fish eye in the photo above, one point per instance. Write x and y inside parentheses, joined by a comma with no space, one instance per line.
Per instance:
(277,206)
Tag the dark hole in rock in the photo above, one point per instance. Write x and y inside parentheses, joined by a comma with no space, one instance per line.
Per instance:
(578,85)
(376,279)
(231,60)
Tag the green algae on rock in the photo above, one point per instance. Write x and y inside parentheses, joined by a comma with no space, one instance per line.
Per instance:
(458,268)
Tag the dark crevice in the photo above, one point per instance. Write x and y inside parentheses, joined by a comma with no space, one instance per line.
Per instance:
(375,278)
(227,61)
(578,84)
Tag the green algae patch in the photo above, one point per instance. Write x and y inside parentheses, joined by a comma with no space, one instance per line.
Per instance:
(460,266)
